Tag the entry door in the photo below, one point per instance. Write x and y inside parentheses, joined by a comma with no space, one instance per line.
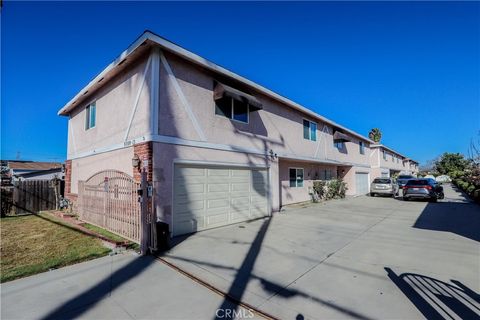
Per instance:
(206,197)
(361,183)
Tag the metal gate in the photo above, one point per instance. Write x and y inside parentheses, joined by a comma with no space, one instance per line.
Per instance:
(109,200)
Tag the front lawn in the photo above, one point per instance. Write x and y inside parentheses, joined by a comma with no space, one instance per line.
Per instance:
(36,243)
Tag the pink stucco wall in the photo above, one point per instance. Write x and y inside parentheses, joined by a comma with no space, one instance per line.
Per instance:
(114,108)
(312,171)
(276,127)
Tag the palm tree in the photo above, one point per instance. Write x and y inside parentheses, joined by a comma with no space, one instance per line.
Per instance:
(375,134)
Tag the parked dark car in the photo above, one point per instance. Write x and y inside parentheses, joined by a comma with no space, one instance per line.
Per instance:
(403,179)
(423,189)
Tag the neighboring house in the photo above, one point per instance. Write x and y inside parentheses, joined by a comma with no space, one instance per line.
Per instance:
(386,162)
(42,174)
(220,148)
(33,170)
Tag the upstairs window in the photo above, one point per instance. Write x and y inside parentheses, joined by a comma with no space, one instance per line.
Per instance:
(296,177)
(90,116)
(309,130)
(361,145)
(384,155)
(338,144)
(232,109)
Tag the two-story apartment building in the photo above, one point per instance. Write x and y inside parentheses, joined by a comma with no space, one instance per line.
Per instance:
(386,162)
(218,147)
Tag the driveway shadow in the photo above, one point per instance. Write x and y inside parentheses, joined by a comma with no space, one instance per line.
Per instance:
(461,218)
(436,299)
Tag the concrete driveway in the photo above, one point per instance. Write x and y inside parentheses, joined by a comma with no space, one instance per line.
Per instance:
(123,286)
(364,258)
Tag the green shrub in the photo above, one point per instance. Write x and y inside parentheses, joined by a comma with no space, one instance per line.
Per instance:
(319,188)
(336,189)
(470,189)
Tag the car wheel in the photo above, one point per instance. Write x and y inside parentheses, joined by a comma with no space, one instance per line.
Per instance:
(405,199)
(372,194)
(432,200)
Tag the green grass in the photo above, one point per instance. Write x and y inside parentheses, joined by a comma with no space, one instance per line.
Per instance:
(103,232)
(112,236)
(37,243)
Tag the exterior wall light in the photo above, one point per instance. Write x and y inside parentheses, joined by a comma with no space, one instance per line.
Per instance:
(136,161)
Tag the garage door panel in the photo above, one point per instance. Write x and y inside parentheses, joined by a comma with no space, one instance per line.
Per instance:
(186,190)
(190,206)
(241,203)
(240,186)
(257,212)
(218,187)
(240,216)
(210,197)
(218,172)
(185,199)
(183,172)
(187,226)
(215,219)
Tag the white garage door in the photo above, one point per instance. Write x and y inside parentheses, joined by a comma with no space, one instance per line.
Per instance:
(361,183)
(209,197)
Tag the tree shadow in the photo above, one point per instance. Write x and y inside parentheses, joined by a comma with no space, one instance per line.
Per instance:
(81,303)
(436,299)
(461,218)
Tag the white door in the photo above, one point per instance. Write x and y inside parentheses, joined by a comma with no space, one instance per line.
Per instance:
(361,183)
(206,197)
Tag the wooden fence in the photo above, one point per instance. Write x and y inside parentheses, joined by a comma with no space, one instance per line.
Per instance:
(32,196)
(109,200)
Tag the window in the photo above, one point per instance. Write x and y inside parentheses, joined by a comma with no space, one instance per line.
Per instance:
(232,109)
(338,144)
(90,116)
(296,177)
(361,145)
(393,158)
(309,130)
(384,155)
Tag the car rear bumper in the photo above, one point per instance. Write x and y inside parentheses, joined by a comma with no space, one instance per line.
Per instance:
(382,191)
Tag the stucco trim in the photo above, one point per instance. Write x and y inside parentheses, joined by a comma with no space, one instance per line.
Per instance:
(183,98)
(137,98)
(209,145)
(219,164)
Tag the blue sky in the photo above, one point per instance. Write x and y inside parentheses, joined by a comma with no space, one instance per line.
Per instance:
(410,68)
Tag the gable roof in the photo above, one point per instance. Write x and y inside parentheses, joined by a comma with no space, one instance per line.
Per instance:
(149,39)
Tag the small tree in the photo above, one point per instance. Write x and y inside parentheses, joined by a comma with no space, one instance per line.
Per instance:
(375,135)
(450,163)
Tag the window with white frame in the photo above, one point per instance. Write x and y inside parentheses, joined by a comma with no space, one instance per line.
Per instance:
(384,155)
(296,177)
(90,115)
(309,130)
(232,109)
(361,146)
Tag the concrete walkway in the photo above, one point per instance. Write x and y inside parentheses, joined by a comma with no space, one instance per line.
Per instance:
(123,286)
(364,258)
